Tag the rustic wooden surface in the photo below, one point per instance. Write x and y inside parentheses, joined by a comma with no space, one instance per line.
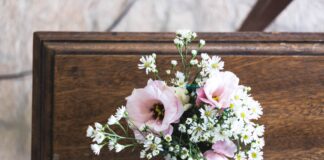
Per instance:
(80,78)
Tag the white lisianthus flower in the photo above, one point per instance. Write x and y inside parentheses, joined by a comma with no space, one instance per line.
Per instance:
(112,120)
(119,147)
(96,148)
(90,131)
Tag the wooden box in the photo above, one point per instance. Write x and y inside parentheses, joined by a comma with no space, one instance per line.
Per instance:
(80,78)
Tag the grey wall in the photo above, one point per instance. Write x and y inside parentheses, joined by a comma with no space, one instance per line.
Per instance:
(20,18)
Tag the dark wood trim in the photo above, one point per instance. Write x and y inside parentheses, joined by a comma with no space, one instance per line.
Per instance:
(49,44)
(262,14)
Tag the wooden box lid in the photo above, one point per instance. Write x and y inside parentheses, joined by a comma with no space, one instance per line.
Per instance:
(80,78)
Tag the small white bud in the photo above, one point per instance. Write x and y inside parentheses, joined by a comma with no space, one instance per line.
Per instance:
(168,71)
(168,138)
(112,120)
(174,62)
(153,55)
(202,43)
(194,52)
(193,62)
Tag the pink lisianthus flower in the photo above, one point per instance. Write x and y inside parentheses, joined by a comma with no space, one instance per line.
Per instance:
(218,90)
(221,150)
(155,106)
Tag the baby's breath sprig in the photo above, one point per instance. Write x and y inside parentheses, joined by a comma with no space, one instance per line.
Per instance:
(104,135)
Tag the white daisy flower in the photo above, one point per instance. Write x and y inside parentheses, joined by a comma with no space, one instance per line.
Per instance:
(98,126)
(240,156)
(121,113)
(215,64)
(112,120)
(258,143)
(255,154)
(119,147)
(148,63)
(90,131)
(111,144)
(96,148)
(182,128)
(99,137)
(208,114)
(255,109)
(258,131)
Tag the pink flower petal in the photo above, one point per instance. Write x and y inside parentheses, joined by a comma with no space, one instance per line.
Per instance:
(226,147)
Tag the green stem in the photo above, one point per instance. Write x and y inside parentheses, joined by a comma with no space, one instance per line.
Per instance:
(122,128)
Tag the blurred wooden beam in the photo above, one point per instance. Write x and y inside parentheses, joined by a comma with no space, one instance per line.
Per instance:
(263,13)
(127,6)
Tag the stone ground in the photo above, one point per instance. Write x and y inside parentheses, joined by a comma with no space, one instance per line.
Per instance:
(20,18)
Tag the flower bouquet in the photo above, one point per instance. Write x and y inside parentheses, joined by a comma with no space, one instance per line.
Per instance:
(200,113)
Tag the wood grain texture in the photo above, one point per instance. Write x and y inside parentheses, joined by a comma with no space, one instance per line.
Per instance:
(78,82)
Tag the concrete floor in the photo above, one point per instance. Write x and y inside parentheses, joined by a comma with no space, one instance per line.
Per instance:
(20,18)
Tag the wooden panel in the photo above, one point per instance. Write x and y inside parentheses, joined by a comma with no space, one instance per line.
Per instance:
(79,82)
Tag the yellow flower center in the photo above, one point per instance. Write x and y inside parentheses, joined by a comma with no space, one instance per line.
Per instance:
(214,65)
(147,64)
(208,113)
(158,111)
(216,98)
